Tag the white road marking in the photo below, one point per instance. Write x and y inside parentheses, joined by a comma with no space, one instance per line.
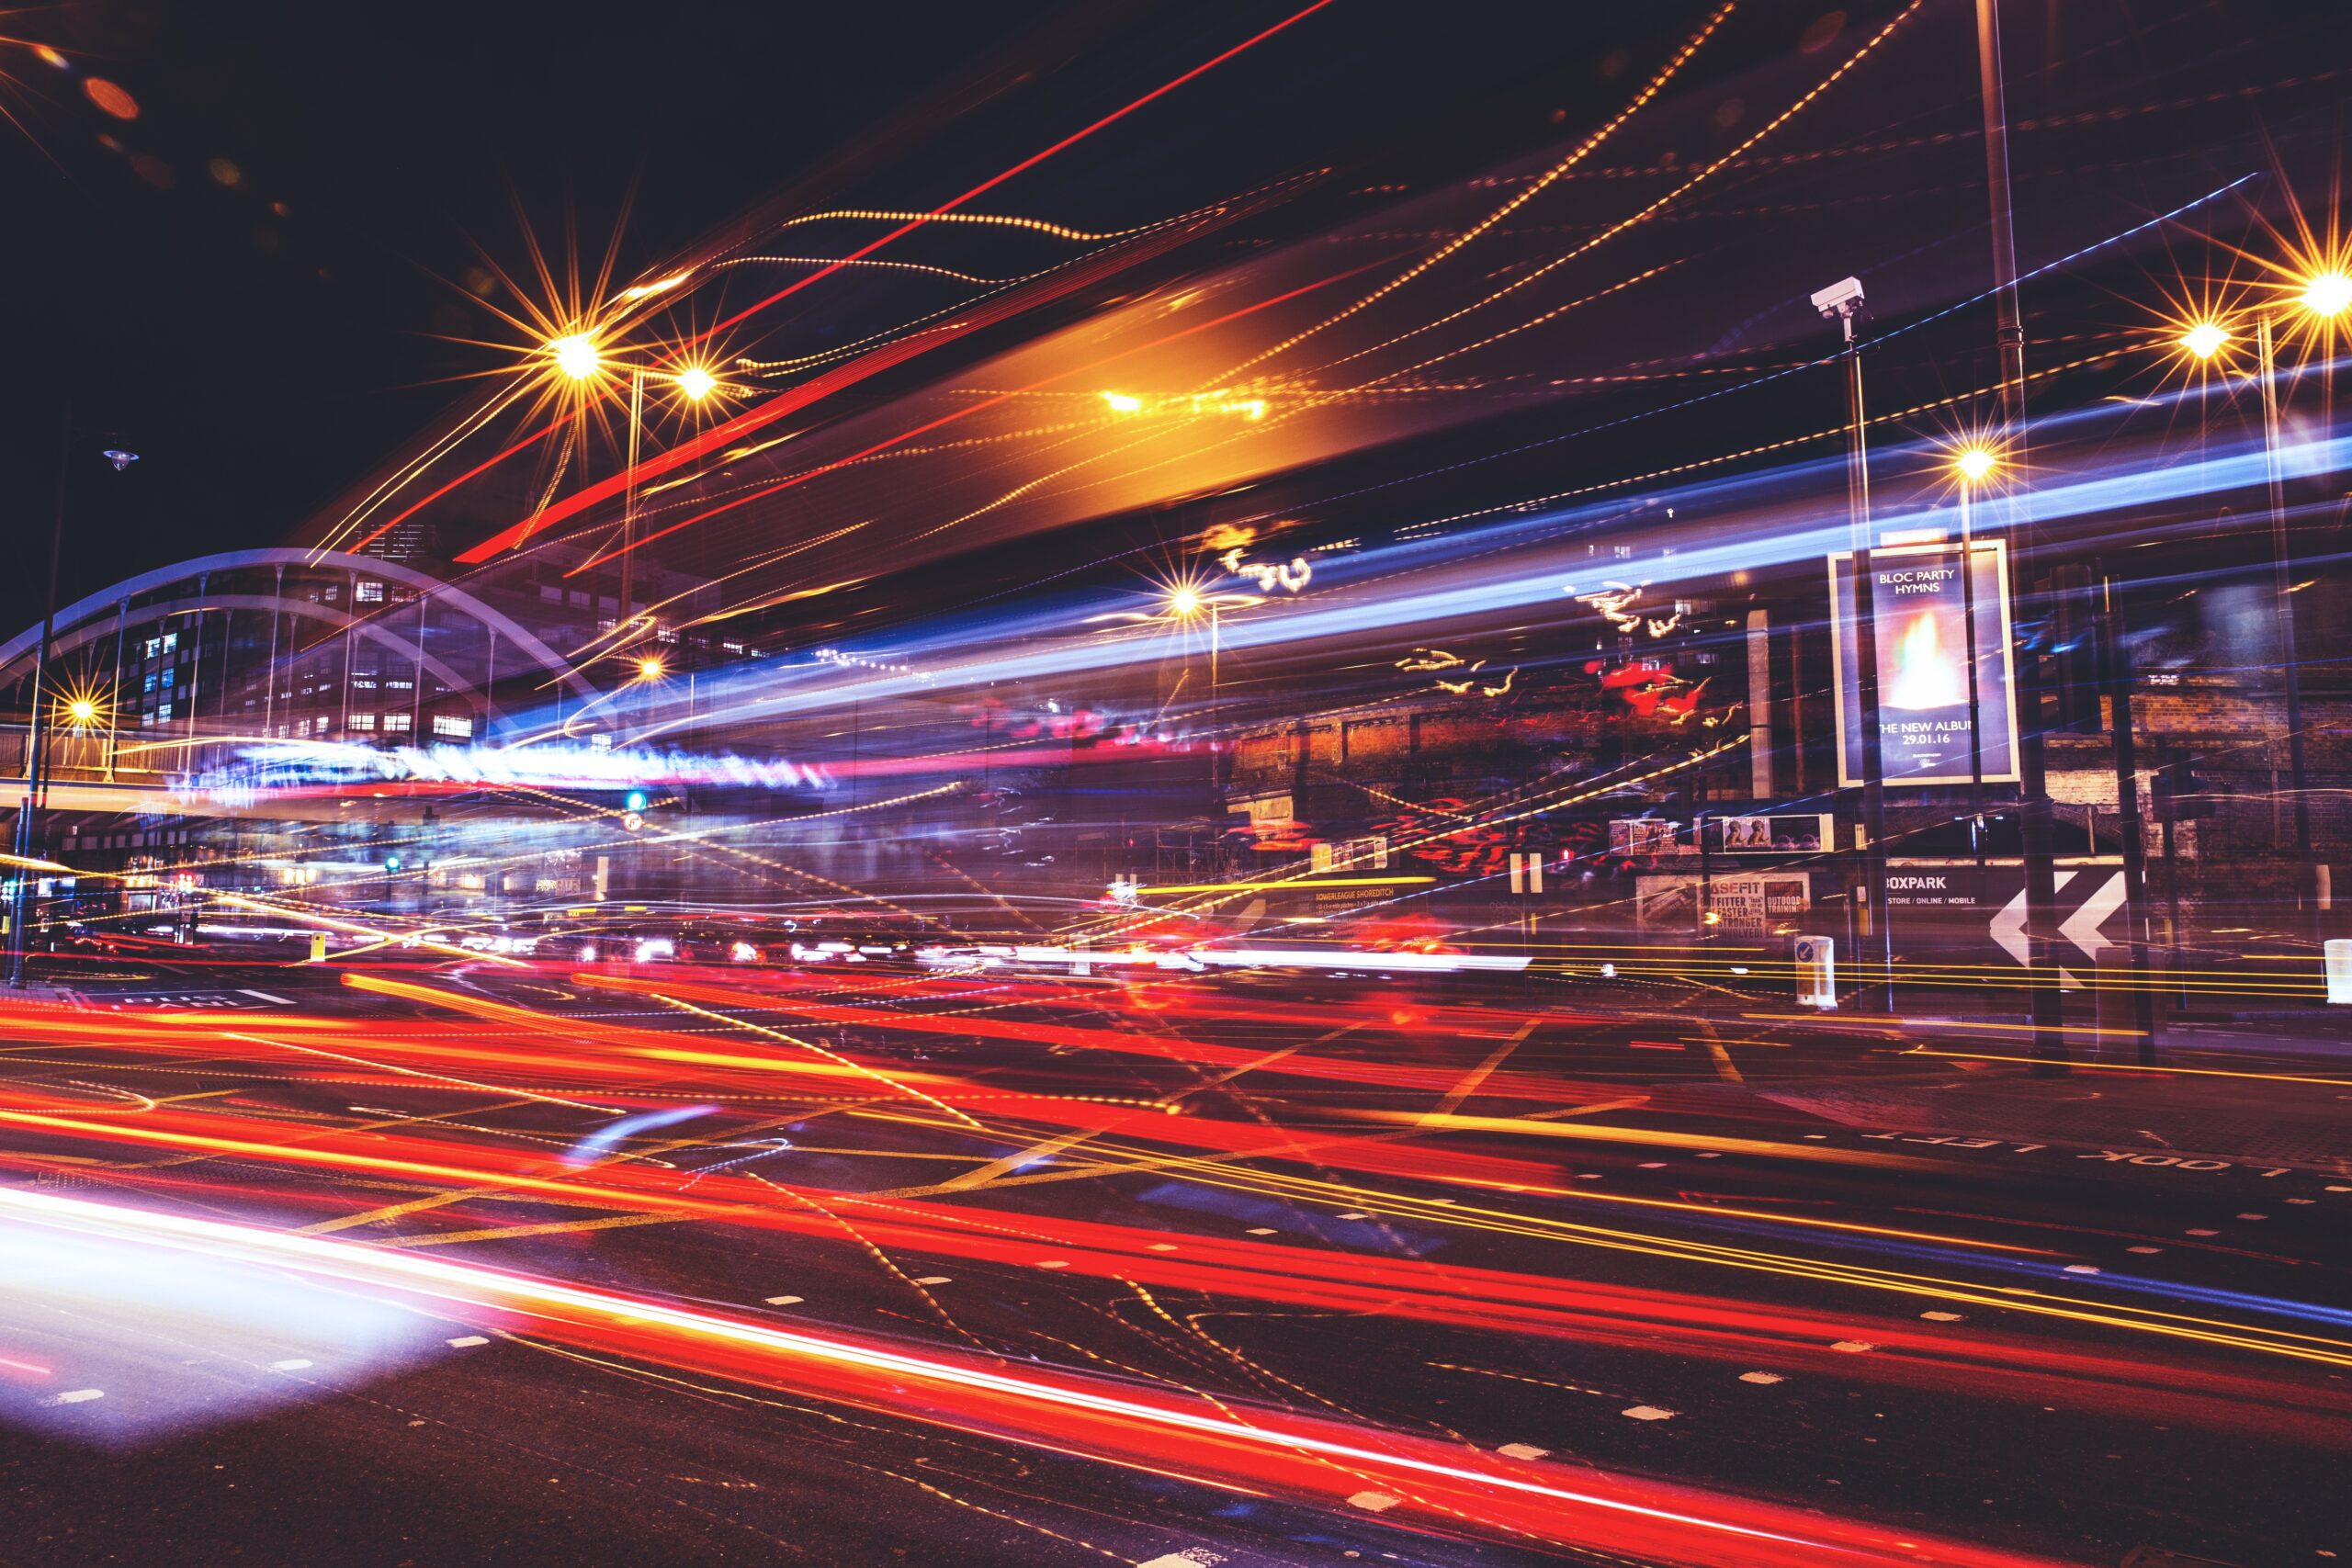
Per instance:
(1941,1316)
(1378,1502)
(2082,1268)
(2204,1233)
(785,1300)
(1761,1377)
(936,1279)
(77,1396)
(2143,1250)
(295,1365)
(467,1341)
(1052,1263)
(2254,1216)
(1190,1557)
(1524,1450)
(1853,1346)
(1647,1412)
(1264,1230)
(264,995)
(1163,1247)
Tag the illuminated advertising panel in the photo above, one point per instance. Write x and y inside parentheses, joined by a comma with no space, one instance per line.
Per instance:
(1921,623)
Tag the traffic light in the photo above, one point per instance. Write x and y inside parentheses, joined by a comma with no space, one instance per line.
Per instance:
(391,865)
(2178,792)
(634,802)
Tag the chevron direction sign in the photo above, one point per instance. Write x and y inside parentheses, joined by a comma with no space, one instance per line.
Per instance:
(1942,902)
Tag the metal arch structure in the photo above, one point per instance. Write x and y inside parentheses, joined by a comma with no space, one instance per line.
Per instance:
(22,646)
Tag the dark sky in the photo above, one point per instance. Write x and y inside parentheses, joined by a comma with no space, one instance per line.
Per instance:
(263,343)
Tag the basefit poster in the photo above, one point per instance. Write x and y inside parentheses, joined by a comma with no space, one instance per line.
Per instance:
(1918,612)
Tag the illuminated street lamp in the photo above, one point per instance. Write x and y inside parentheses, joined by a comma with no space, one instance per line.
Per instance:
(81,710)
(1185,603)
(1972,465)
(2205,339)
(2324,295)
(648,669)
(575,355)
(696,383)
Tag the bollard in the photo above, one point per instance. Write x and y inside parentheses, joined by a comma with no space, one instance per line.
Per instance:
(1816,972)
(318,947)
(2114,1006)
(2339,969)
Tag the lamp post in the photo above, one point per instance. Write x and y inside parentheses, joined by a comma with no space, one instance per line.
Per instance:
(37,733)
(1972,466)
(2048,1006)
(578,357)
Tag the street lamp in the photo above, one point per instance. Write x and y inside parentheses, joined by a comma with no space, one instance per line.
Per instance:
(575,355)
(1972,465)
(648,669)
(2322,296)
(696,383)
(37,771)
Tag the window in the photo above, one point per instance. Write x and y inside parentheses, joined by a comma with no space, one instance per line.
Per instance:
(457,725)
(171,641)
(154,646)
(551,592)
(148,717)
(149,684)
(369,593)
(368,684)
(363,721)
(168,675)
(318,725)
(400,686)
(164,713)
(396,724)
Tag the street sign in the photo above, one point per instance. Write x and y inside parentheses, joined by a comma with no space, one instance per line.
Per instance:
(1942,902)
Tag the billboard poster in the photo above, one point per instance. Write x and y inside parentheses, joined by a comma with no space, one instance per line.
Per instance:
(1747,904)
(1919,619)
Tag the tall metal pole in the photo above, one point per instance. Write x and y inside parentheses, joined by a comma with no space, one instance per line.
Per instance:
(2115,656)
(37,737)
(2283,605)
(1976,703)
(2033,784)
(1858,491)
(623,611)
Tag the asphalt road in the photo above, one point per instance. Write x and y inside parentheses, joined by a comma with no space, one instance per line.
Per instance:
(1571,1230)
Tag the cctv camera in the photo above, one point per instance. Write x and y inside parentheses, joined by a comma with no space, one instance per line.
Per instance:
(1841,299)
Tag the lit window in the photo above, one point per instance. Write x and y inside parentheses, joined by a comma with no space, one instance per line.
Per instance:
(396,724)
(154,646)
(457,725)
(164,713)
(168,674)
(147,717)
(369,593)
(363,721)
(318,725)
(171,641)
(400,686)
(363,685)
(149,684)
(551,592)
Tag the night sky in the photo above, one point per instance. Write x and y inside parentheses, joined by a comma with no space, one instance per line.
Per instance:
(264,330)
